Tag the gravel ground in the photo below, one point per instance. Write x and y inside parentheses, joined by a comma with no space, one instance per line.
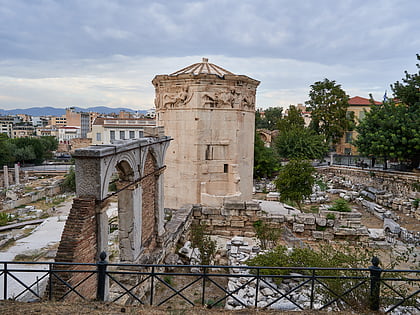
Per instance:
(96,308)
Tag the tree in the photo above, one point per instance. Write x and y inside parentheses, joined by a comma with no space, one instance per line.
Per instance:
(270,118)
(301,143)
(293,119)
(328,104)
(392,129)
(295,181)
(265,161)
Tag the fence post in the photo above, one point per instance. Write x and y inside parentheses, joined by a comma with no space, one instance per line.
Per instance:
(101,267)
(375,284)
(5,281)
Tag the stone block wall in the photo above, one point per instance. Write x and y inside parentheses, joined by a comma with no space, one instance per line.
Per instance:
(396,191)
(237,219)
(398,184)
(232,219)
(78,244)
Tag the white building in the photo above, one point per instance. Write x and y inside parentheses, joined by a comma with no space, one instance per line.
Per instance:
(65,134)
(105,130)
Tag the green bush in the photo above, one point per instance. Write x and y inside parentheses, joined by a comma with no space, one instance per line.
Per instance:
(340,205)
(327,256)
(201,240)
(5,218)
(330,216)
(268,236)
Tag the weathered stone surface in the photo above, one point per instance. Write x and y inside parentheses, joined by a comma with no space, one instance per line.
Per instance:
(298,228)
(319,235)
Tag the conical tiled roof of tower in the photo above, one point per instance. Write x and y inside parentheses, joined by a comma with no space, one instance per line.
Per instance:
(203,67)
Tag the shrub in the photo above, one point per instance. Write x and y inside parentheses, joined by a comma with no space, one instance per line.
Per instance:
(340,205)
(201,240)
(330,216)
(267,235)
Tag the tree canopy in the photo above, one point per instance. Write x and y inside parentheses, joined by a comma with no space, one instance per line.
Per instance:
(328,104)
(392,129)
(295,141)
(26,150)
(269,119)
(266,163)
(295,181)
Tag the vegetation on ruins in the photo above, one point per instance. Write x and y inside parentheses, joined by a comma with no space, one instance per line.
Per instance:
(200,239)
(26,150)
(326,255)
(295,181)
(392,129)
(266,163)
(266,235)
(340,205)
(69,183)
(328,104)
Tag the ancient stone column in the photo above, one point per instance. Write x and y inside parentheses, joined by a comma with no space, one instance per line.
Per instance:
(6,176)
(17,169)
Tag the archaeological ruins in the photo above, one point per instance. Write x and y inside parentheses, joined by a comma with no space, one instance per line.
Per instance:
(210,114)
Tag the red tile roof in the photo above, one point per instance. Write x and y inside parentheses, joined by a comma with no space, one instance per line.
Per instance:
(357,100)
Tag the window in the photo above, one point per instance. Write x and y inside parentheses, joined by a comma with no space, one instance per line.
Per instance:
(112,134)
(349,114)
(132,134)
(349,137)
(225,168)
(122,135)
(98,136)
(362,115)
(347,151)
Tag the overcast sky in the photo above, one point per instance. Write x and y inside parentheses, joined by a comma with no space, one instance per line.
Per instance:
(106,52)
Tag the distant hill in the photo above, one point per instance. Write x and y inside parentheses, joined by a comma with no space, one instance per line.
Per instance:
(53,111)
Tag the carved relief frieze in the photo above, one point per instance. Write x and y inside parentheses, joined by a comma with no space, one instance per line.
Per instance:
(173,98)
(229,98)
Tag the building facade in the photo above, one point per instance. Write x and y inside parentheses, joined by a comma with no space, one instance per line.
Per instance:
(358,106)
(210,114)
(105,130)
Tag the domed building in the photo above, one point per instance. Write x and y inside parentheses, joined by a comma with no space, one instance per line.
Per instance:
(210,114)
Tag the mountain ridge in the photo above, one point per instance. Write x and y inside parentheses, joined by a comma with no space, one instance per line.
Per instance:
(55,111)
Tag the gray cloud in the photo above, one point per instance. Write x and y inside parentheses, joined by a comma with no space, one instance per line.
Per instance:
(107,48)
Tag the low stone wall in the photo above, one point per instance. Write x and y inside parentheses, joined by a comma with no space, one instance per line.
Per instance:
(31,197)
(398,184)
(237,219)
(232,219)
(396,191)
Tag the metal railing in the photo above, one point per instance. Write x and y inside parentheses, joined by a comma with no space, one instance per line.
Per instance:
(324,288)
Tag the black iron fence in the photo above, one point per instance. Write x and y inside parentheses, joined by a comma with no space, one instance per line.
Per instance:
(317,288)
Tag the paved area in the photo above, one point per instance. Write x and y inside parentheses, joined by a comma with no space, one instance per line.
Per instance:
(276,207)
(45,235)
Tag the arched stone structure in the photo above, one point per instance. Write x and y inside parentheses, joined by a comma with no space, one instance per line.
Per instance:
(139,164)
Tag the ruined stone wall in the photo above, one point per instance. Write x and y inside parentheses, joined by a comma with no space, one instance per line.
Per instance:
(78,143)
(78,244)
(399,184)
(149,228)
(237,219)
(232,219)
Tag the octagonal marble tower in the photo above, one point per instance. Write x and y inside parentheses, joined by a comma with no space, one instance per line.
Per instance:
(210,114)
